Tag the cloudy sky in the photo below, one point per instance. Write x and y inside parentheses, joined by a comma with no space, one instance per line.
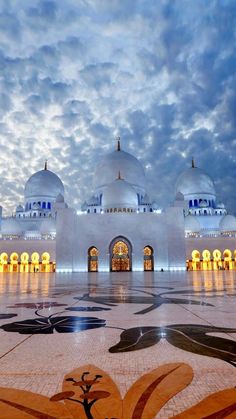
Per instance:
(76,73)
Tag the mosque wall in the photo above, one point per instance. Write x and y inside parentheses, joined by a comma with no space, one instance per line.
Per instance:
(176,238)
(76,234)
(65,225)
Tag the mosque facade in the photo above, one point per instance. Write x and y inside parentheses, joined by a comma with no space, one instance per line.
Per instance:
(119,227)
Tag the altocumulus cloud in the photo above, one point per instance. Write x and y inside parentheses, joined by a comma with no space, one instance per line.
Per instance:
(75,73)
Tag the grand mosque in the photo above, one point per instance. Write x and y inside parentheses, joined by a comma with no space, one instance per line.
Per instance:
(119,227)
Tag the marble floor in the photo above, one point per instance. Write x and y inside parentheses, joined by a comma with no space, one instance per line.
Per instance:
(118,345)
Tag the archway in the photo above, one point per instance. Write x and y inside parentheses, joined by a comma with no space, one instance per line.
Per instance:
(92,259)
(14,262)
(120,251)
(217,263)
(227,254)
(24,258)
(4,262)
(46,266)
(196,262)
(35,262)
(148,264)
(206,256)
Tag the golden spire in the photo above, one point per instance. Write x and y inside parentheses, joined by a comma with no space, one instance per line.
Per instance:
(118,143)
(46,165)
(193,164)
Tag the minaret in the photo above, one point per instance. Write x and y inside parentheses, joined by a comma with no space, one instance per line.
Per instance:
(118,143)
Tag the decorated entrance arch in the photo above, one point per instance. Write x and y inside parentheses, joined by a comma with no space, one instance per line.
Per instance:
(120,255)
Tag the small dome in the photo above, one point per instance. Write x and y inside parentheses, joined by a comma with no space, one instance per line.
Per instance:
(228,223)
(191,224)
(19,208)
(36,206)
(11,226)
(203,204)
(221,205)
(146,200)
(60,198)
(48,226)
(119,160)
(44,184)
(195,181)
(119,194)
(179,196)
(93,200)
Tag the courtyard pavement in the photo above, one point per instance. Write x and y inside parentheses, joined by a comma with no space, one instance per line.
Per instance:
(118,345)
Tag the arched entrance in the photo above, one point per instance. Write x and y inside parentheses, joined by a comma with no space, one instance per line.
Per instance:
(46,264)
(14,262)
(93,259)
(120,251)
(196,261)
(148,264)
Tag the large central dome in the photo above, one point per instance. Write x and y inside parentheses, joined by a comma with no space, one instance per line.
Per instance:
(119,161)
(44,184)
(195,181)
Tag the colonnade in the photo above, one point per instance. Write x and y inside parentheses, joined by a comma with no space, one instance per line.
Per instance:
(215,260)
(25,262)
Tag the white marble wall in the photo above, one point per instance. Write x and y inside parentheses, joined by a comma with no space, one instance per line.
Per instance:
(77,233)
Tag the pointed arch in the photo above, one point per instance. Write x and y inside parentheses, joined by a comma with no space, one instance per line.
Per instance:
(120,250)
(92,259)
(14,262)
(4,262)
(148,262)
(46,266)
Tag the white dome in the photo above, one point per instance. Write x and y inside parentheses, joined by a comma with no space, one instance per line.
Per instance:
(120,161)
(19,208)
(203,204)
(191,224)
(44,184)
(228,223)
(48,226)
(195,181)
(11,226)
(119,194)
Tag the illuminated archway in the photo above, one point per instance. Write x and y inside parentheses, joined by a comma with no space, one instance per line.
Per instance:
(24,258)
(196,261)
(148,264)
(206,257)
(120,251)
(4,262)
(14,262)
(217,263)
(46,266)
(227,255)
(35,262)
(92,259)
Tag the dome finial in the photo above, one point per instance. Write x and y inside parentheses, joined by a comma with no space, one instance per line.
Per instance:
(118,143)
(193,164)
(119,176)
(46,165)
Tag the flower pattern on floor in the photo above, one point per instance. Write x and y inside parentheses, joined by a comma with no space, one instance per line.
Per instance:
(90,393)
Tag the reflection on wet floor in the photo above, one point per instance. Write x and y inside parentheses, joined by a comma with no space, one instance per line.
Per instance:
(52,324)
